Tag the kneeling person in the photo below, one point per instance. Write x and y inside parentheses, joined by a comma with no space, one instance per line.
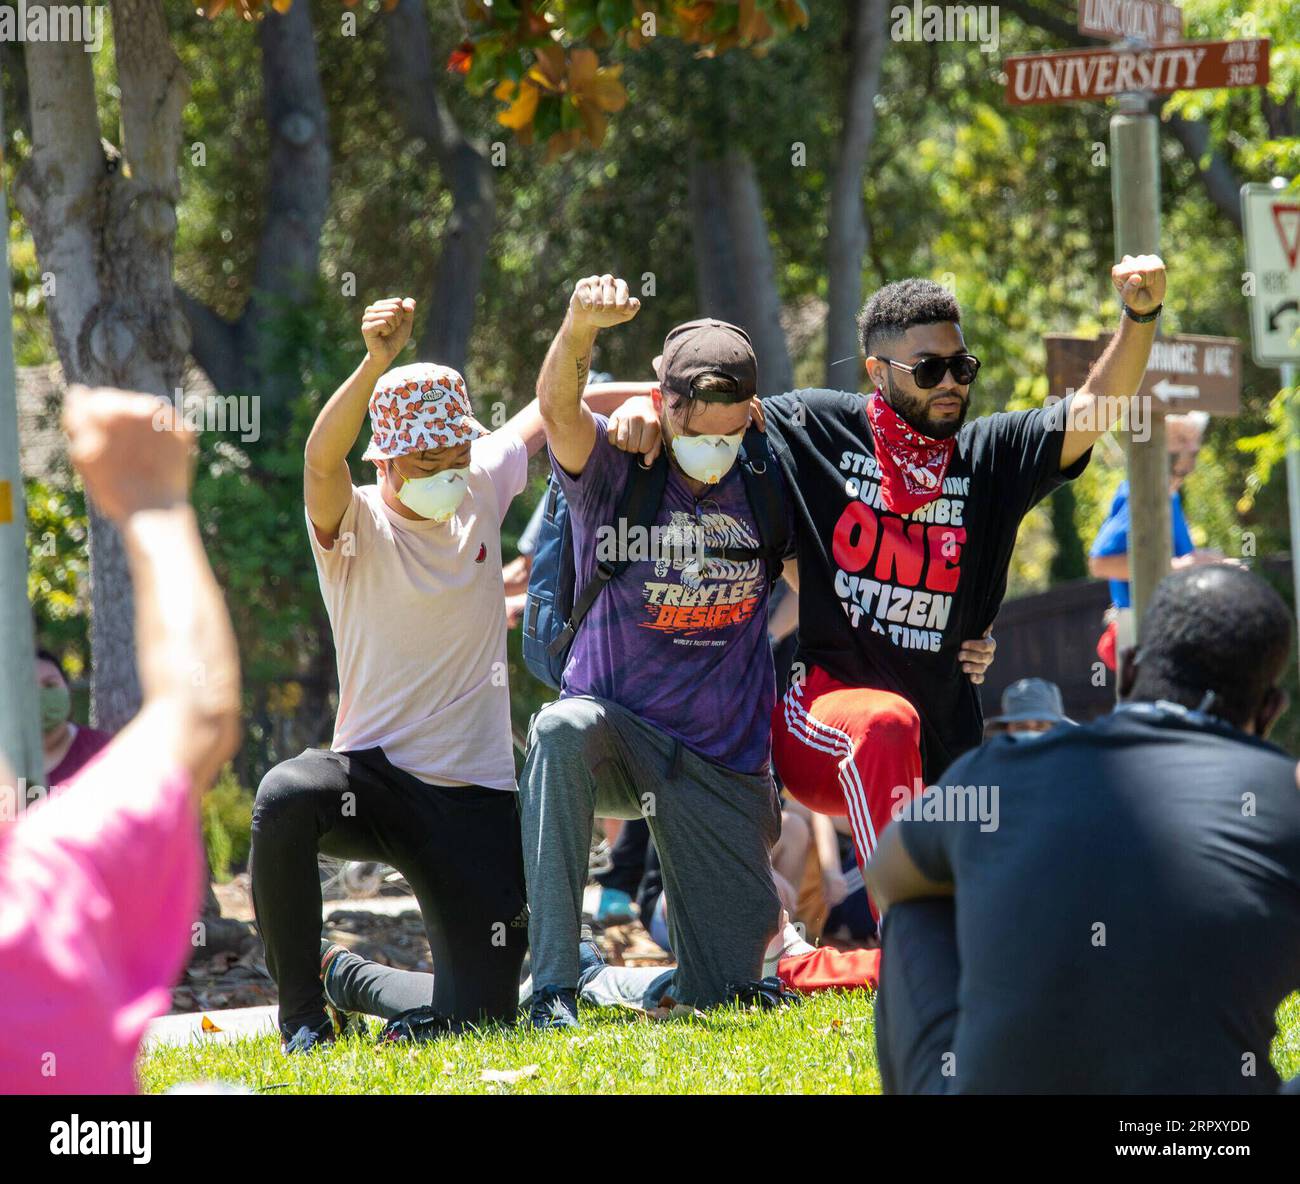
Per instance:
(632,735)
(420,773)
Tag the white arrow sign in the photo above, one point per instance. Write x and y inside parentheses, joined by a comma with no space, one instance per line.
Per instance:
(1166,390)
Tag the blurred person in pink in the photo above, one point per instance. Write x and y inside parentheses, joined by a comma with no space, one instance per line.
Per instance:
(99,885)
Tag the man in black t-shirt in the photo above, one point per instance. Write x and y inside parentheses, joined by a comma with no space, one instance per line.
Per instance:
(906,516)
(1129,919)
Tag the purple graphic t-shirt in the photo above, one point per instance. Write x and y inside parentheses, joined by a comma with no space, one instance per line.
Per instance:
(678,640)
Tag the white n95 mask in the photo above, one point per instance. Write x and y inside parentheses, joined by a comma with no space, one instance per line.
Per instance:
(437,496)
(707,458)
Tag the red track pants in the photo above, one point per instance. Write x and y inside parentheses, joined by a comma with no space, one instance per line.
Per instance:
(845,750)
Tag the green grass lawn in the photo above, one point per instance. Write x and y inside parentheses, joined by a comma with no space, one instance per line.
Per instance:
(824,1045)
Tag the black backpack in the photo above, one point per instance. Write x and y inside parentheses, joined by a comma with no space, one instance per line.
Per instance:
(552,617)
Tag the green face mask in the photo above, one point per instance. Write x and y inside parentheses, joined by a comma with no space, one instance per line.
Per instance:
(56,706)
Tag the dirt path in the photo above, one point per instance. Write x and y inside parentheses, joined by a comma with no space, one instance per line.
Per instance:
(384,928)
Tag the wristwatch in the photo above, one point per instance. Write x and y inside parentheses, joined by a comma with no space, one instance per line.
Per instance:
(1142,318)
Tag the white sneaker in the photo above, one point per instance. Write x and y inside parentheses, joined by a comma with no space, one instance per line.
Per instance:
(787,943)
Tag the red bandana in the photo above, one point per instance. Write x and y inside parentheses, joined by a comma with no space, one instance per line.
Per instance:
(912,465)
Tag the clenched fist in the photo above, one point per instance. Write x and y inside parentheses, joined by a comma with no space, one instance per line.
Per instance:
(1140,282)
(132,451)
(600,301)
(386,327)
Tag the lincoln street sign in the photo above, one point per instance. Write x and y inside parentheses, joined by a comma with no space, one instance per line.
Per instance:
(1152,21)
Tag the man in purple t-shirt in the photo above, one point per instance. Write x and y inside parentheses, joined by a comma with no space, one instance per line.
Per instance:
(630,736)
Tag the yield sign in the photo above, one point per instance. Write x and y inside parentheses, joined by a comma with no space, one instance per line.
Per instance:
(1271,219)
(1287,221)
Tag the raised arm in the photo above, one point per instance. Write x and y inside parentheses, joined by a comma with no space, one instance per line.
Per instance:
(600,397)
(597,303)
(327,482)
(135,460)
(1096,407)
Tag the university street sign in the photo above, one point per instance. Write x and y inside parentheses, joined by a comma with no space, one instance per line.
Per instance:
(1151,21)
(1103,73)
(1186,372)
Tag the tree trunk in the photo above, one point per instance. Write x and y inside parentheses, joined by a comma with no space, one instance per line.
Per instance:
(107,238)
(760,302)
(1222,185)
(241,357)
(715,257)
(735,277)
(847,233)
(415,84)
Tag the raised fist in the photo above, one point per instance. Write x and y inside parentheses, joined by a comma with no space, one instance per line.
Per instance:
(1140,281)
(132,451)
(600,301)
(386,327)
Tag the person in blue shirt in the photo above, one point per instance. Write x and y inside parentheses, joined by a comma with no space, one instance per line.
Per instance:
(1108,559)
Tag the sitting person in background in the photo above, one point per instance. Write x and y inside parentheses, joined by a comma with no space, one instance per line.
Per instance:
(1078,960)
(1030,707)
(69,747)
(1108,559)
(631,863)
(515,574)
(100,885)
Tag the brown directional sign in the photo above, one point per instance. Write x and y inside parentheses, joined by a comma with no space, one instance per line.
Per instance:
(1186,372)
(1152,21)
(1104,73)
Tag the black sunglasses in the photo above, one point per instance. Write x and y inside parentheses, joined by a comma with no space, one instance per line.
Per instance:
(929,372)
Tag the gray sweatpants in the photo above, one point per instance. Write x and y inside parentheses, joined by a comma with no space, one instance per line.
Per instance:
(714,830)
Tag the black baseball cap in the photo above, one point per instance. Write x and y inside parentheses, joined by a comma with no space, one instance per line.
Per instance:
(705,347)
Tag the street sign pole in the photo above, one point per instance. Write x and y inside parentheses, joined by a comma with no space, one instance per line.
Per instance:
(1135,195)
(1293,480)
(20,725)
(1270,215)
(1147,60)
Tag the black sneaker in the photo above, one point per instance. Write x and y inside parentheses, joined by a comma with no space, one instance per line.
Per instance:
(346,1023)
(764,994)
(307,1037)
(553,1007)
(417,1026)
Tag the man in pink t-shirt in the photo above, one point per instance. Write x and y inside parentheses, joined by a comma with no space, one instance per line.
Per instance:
(99,886)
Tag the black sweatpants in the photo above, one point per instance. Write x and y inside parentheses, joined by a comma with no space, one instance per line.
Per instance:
(916,1005)
(458,847)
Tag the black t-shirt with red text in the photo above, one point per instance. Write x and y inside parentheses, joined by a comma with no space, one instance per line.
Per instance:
(885,600)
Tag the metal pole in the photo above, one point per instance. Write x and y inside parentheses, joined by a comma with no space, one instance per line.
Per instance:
(1135,196)
(1293,476)
(20,724)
